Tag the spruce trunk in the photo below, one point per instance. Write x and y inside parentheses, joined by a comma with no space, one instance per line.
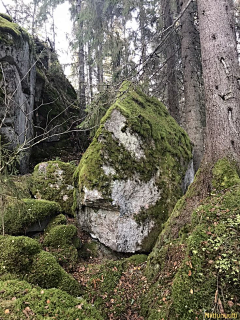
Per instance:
(221,76)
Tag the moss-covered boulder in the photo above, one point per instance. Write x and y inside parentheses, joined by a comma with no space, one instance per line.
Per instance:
(63,243)
(23,257)
(19,299)
(194,268)
(28,215)
(53,180)
(131,176)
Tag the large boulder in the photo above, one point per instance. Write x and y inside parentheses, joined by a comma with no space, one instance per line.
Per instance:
(131,176)
(53,180)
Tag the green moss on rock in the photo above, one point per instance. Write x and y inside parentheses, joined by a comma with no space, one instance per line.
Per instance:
(53,180)
(20,298)
(21,214)
(11,33)
(22,257)
(47,273)
(56,221)
(60,235)
(63,243)
(17,253)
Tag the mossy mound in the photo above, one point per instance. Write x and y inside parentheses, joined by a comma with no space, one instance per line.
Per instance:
(19,299)
(56,221)
(53,180)
(22,257)
(137,146)
(20,215)
(63,243)
(197,270)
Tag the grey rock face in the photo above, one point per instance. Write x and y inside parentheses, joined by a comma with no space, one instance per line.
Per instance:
(17,87)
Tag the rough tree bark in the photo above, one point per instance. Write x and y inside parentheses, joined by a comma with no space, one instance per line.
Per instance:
(172,87)
(221,76)
(193,94)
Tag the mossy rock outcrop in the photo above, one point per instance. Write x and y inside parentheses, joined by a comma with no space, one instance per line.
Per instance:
(28,215)
(131,176)
(194,272)
(17,62)
(23,257)
(57,109)
(53,180)
(20,299)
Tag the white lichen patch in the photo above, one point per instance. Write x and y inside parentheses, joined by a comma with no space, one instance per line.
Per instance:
(91,195)
(133,195)
(65,197)
(131,142)
(108,170)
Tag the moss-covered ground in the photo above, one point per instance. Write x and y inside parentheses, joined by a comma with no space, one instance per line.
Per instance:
(194,267)
(21,300)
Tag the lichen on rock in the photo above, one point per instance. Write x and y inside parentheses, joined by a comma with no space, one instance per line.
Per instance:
(53,180)
(130,177)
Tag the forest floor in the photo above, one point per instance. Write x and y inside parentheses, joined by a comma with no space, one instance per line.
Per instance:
(121,300)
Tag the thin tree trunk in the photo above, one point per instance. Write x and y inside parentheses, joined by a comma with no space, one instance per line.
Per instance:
(142,23)
(192,87)
(90,72)
(221,75)
(99,67)
(34,17)
(172,87)
(81,70)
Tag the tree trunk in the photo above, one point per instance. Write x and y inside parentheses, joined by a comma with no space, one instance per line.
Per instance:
(172,87)
(90,72)
(193,94)
(99,67)
(81,70)
(142,25)
(221,75)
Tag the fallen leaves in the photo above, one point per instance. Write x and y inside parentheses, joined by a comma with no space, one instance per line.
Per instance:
(28,312)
